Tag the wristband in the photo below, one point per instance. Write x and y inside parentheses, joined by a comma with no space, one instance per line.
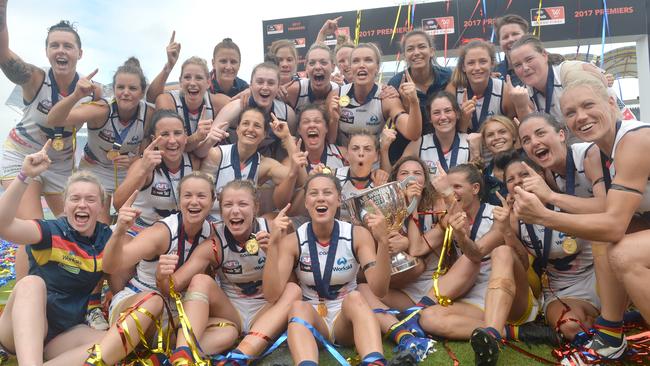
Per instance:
(24,178)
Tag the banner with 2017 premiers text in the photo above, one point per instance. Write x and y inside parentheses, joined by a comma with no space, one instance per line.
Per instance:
(455,22)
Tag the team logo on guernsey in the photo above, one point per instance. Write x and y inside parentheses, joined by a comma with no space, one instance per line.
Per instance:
(135,140)
(347,116)
(232,267)
(106,136)
(44,106)
(374,120)
(342,265)
(161,189)
(305,263)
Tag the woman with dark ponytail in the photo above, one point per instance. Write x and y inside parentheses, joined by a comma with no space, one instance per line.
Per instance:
(116,127)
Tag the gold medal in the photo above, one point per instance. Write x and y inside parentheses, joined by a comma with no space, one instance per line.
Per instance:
(544,280)
(252,246)
(112,154)
(569,245)
(327,170)
(344,100)
(322,309)
(57,143)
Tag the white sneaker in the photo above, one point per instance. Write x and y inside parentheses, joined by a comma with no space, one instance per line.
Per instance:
(95,319)
(601,351)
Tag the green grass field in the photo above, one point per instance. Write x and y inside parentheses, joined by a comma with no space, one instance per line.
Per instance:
(462,350)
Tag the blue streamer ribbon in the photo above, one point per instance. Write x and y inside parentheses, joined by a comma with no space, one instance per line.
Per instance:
(604,31)
(319,337)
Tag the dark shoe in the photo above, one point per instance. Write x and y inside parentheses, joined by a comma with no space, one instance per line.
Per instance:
(485,346)
(403,358)
(533,333)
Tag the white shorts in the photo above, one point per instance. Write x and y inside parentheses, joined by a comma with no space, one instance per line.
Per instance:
(418,289)
(476,297)
(105,175)
(115,310)
(584,289)
(53,179)
(333,311)
(248,309)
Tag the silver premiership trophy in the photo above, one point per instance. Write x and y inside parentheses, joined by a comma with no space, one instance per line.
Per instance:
(391,200)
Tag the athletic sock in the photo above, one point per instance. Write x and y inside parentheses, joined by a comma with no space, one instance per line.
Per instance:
(512,332)
(493,332)
(95,301)
(399,333)
(425,301)
(308,363)
(373,359)
(611,332)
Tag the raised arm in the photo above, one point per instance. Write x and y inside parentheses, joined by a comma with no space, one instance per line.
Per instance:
(157,85)
(623,199)
(375,264)
(281,257)
(334,110)
(408,124)
(150,243)
(329,27)
(64,113)
(204,255)
(17,230)
(139,173)
(28,76)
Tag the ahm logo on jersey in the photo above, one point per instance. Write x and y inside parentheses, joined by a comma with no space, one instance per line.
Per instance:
(373,121)
(342,264)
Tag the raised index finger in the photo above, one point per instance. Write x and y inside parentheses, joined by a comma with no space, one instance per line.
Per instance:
(171,40)
(283,212)
(530,170)
(408,75)
(154,143)
(90,76)
(504,203)
(47,146)
(131,198)
(336,20)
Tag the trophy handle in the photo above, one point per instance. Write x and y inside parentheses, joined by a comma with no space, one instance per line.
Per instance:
(414,203)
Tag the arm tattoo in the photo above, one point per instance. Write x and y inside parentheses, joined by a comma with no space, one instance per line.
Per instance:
(17,70)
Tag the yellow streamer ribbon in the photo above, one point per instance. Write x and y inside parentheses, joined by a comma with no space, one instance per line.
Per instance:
(357,30)
(538,32)
(74,148)
(399,10)
(446,246)
(190,338)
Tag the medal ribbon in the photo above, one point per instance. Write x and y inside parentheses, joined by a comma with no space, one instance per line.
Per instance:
(441,155)
(570,173)
(253,161)
(58,131)
(322,282)
(233,244)
(477,222)
(487,95)
(186,115)
(181,238)
(165,171)
(550,88)
(121,136)
(606,161)
(542,250)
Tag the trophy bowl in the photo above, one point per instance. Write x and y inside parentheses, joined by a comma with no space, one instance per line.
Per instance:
(391,201)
